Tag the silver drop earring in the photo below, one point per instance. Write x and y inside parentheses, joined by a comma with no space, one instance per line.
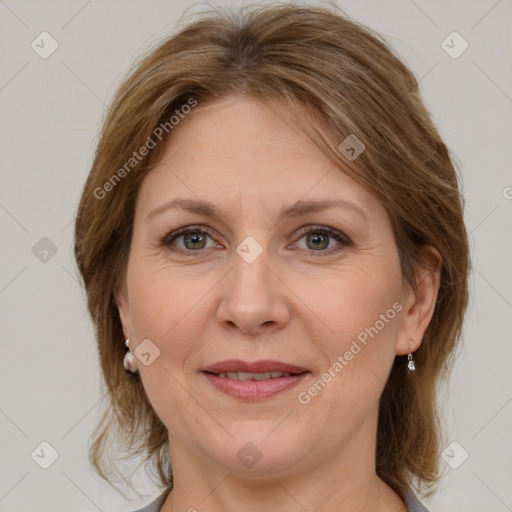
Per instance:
(129,359)
(411,367)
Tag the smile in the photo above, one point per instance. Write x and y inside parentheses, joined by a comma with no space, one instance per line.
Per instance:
(254,386)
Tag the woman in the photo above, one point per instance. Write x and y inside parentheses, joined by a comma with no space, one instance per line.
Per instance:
(272,227)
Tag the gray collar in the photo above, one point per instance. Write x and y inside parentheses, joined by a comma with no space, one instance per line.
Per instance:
(413,504)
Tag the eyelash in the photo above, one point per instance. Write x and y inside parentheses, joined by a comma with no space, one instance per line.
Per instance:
(343,240)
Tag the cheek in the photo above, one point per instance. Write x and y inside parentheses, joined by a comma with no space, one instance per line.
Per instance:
(353,304)
(166,308)
(361,315)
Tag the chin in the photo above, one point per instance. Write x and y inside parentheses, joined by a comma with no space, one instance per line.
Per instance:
(259,454)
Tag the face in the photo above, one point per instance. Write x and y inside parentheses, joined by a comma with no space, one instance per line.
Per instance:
(249,280)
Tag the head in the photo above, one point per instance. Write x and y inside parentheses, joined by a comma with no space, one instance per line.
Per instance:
(250,114)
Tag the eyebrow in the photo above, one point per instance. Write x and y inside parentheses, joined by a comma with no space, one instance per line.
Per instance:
(297,209)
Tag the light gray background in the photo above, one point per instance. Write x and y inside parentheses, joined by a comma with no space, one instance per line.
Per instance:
(51,111)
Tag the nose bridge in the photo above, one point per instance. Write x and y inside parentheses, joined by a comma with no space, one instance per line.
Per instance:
(251,268)
(252,294)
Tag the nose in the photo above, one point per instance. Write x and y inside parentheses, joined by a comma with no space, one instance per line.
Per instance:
(255,299)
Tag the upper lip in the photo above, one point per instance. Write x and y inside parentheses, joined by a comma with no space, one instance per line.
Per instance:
(236,365)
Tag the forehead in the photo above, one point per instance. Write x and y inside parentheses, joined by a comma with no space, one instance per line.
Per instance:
(245,150)
(241,129)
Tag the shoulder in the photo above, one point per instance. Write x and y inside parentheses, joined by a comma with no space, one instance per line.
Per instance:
(413,504)
(156,504)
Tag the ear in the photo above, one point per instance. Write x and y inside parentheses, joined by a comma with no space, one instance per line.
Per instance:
(124,310)
(419,304)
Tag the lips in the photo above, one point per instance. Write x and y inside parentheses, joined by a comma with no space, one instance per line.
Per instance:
(254,381)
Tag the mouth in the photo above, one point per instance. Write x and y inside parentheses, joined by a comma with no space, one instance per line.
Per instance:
(246,376)
(254,381)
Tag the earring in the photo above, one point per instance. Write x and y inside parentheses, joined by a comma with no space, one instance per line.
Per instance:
(129,359)
(411,367)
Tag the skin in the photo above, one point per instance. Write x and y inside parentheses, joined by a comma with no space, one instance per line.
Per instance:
(295,303)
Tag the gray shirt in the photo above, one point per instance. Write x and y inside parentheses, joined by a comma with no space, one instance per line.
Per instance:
(413,503)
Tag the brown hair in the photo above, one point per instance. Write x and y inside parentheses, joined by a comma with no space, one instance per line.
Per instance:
(334,77)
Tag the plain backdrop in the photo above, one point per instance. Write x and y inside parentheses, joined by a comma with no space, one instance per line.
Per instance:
(51,109)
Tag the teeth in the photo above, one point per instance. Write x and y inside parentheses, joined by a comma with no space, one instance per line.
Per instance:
(253,376)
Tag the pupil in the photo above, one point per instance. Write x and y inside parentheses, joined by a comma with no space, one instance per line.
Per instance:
(318,238)
(195,238)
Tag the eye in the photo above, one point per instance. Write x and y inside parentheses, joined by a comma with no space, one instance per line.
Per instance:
(193,240)
(318,238)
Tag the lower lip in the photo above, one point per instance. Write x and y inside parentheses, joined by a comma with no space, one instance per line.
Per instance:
(254,389)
